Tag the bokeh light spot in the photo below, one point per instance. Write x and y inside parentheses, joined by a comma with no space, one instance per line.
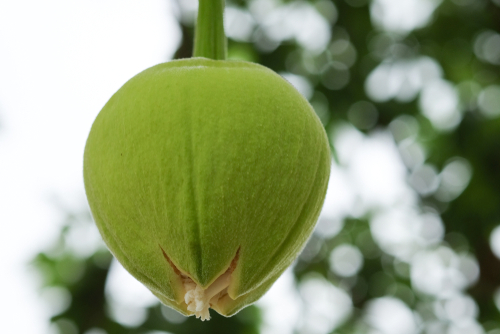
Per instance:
(424,179)
(83,239)
(58,299)
(297,20)
(172,315)
(363,115)
(401,79)
(440,104)
(404,127)
(487,46)
(495,241)
(460,307)
(346,260)
(336,76)
(404,232)
(326,306)
(442,272)
(412,153)
(96,331)
(281,306)
(65,326)
(468,91)
(402,16)
(496,298)
(389,315)
(328,10)
(343,51)
(127,298)
(238,24)
(489,101)
(455,177)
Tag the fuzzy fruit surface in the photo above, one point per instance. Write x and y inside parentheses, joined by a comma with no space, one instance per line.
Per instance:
(194,162)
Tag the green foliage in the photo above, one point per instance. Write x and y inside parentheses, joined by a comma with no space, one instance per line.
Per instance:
(451,45)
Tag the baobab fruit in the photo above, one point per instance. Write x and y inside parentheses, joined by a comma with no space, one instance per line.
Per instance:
(206,178)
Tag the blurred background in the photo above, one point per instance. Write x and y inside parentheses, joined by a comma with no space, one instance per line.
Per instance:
(408,241)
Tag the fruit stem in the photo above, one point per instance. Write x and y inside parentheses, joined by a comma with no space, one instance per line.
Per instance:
(210,40)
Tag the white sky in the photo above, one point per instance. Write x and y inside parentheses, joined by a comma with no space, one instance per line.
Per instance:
(60,61)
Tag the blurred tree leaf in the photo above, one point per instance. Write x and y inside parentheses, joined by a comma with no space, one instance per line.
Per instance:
(337,77)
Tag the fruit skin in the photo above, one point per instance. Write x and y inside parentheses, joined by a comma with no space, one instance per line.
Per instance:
(201,159)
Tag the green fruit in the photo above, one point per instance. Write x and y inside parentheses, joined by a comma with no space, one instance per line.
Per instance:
(205,179)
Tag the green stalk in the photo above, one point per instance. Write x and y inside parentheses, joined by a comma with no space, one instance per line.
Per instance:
(210,40)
